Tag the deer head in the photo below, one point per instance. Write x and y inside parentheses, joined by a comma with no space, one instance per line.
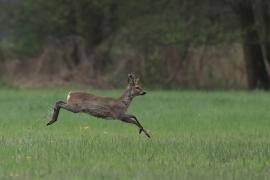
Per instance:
(133,85)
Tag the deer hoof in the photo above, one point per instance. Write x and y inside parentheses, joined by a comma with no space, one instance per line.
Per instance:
(147,135)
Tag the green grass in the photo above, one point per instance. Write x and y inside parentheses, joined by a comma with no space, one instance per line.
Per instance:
(195,135)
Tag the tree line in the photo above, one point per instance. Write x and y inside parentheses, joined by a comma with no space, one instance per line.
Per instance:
(88,35)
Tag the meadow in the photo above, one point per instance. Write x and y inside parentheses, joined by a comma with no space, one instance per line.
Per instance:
(195,135)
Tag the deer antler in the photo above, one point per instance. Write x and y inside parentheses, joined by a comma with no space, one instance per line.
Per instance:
(136,80)
(132,80)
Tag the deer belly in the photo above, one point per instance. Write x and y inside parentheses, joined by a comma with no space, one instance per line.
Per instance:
(100,112)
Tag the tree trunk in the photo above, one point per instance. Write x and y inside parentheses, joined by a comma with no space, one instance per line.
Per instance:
(253,53)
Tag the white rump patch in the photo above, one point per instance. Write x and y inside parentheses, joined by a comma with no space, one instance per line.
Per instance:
(68,96)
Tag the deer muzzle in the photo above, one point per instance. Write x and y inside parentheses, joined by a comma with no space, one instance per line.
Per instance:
(143,93)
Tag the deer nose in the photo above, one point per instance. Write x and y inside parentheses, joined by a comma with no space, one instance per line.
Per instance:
(143,93)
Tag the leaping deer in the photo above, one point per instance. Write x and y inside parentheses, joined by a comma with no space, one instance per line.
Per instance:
(103,107)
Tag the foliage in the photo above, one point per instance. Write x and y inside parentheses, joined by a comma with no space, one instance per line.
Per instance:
(149,23)
(33,22)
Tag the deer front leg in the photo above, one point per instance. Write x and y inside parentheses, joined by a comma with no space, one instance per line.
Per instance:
(132,119)
(141,129)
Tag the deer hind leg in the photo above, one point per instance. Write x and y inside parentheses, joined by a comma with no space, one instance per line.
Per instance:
(58,105)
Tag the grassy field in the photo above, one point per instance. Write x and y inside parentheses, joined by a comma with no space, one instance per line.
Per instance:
(195,135)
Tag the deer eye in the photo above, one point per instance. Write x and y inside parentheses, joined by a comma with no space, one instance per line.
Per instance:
(137,88)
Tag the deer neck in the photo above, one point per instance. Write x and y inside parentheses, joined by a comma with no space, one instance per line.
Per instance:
(126,97)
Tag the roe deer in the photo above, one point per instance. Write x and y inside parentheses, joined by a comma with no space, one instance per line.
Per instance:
(103,107)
